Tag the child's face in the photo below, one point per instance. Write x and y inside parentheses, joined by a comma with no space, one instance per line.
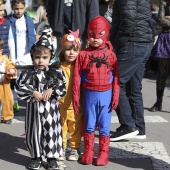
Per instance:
(42,60)
(70,55)
(2,9)
(96,41)
(18,9)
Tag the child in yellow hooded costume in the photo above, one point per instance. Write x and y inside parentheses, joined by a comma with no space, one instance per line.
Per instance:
(6,96)
(71,123)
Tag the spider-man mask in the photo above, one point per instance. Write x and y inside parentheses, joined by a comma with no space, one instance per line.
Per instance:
(97,25)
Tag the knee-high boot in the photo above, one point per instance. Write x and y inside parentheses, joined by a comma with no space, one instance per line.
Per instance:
(158,105)
(88,154)
(103,155)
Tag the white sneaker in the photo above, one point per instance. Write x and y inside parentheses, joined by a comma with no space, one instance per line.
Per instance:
(73,155)
(62,158)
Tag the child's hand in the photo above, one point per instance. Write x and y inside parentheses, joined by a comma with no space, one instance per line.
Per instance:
(1,60)
(47,94)
(38,96)
(115,103)
(76,106)
(11,71)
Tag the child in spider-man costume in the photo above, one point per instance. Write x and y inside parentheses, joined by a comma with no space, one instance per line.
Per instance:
(96,69)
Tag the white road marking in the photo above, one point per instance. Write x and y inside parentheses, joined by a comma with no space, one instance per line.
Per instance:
(148,119)
(152,150)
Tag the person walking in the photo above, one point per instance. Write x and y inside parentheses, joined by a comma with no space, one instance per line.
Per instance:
(132,39)
(161,51)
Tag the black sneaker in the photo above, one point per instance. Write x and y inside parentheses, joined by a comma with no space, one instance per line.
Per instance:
(34,164)
(52,164)
(123,133)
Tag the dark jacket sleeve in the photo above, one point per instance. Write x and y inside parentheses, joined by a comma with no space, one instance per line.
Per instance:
(83,12)
(131,21)
(123,19)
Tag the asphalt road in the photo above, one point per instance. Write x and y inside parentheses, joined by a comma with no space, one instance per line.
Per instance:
(152,153)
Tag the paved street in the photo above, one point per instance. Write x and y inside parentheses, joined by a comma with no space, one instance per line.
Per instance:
(152,153)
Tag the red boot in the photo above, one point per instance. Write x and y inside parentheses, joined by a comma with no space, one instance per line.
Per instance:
(88,154)
(103,155)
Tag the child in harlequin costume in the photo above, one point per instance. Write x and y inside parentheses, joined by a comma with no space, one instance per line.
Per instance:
(97,69)
(6,96)
(42,85)
(71,123)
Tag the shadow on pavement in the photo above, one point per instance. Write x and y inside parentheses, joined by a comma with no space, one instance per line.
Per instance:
(10,149)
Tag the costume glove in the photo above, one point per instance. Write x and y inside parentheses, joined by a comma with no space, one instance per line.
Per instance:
(115,102)
(76,106)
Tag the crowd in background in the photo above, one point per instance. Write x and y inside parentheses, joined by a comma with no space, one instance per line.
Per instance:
(89,38)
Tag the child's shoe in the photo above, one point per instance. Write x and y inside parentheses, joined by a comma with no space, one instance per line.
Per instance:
(61,158)
(52,164)
(7,121)
(73,155)
(16,107)
(34,164)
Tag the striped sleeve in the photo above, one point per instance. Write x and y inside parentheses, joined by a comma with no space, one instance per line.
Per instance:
(25,86)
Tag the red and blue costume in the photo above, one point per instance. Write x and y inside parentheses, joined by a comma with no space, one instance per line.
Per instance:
(96,70)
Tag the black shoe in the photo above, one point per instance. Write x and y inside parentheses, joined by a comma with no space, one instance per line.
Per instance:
(34,164)
(155,108)
(123,133)
(52,164)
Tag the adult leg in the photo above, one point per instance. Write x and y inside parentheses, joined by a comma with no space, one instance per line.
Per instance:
(163,70)
(127,68)
(130,59)
(134,87)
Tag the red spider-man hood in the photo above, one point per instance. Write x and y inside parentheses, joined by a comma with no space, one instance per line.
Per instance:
(97,25)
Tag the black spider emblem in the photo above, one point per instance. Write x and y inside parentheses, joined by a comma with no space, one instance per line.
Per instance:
(98,61)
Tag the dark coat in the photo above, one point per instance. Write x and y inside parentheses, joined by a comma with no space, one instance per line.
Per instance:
(83,12)
(4,32)
(131,21)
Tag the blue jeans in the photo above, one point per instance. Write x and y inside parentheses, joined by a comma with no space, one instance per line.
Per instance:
(131,60)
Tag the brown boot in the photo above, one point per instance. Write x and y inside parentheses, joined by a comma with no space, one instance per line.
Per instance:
(103,155)
(88,154)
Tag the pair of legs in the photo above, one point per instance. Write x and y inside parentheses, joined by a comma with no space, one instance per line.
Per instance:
(162,74)
(43,133)
(71,124)
(97,112)
(131,60)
